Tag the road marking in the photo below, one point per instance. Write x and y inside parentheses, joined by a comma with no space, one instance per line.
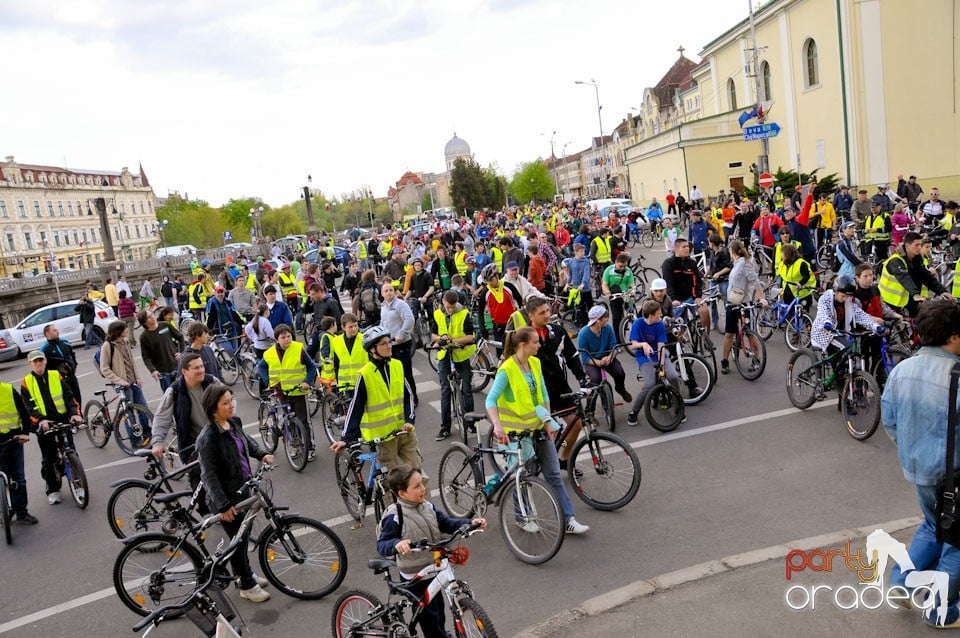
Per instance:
(339,520)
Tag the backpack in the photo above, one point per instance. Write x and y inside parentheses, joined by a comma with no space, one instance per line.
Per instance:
(96,359)
(369,304)
(835,263)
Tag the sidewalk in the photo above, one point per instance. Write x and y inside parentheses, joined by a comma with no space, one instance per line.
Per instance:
(744,595)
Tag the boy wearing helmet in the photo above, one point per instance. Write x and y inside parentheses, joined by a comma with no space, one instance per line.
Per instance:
(837,310)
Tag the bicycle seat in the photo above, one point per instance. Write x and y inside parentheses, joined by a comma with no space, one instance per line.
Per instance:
(163,499)
(473,417)
(101,393)
(381,565)
(143,453)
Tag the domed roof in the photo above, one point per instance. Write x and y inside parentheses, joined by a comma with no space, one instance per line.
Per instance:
(456,147)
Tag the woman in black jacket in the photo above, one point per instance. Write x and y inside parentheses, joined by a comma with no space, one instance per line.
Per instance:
(224,451)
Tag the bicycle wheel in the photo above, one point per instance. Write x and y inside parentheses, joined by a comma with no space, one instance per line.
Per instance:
(98,424)
(663,408)
(328,414)
(251,378)
(351,485)
(604,471)
(860,405)
(423,331)
(302,557)
(749,354)
(894,356)
(166,574)
(229,368)
(269,429)
(495,461)
(804,375)
(132,428)
(531,522)
(483,371)
(295,441)
(825,256)
(604,407)
(647,239)
(767,323)
(76,479)
(626,325)
(696,378)
(473,621)
(797,333)
(6,516)
(351,615)
(432,357)
(130,510)
(461,483)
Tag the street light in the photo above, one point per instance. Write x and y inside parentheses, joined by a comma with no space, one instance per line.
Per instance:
(563,152)
(158,227)
(254,216)
(553,158)
(311,225)
(596,91)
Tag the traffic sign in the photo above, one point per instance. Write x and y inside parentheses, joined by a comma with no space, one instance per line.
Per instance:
(227,235)
(766,180)
(761,132)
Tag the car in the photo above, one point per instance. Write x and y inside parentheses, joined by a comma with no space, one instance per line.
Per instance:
(343,256)
(237,246)
(28,334)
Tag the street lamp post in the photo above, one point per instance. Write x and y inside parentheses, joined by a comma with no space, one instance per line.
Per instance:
(311,225)
(563,152)
(254,216)
(159,227)
(596,91)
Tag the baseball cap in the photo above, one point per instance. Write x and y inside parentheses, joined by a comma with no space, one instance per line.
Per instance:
(219,289)
(596,314)
(846,225)
(881,185)
(658,284)
(512,264)
(285,266)
(36,355)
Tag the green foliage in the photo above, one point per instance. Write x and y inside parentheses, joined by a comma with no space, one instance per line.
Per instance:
(236,212)
(468,189)
(191,222)
(425,201)
(532,182)
(788,180)
(283,221)
(496,188)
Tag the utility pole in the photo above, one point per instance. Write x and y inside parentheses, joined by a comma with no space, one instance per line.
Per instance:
(763,161)
(311,225)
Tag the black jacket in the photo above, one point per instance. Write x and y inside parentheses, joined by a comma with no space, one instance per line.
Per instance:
(60,357)
(556,345)
(88,312)
(220,469)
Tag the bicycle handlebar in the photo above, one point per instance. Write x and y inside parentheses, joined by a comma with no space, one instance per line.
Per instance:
(465,531)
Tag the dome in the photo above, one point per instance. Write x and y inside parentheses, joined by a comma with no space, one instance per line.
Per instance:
(456,147)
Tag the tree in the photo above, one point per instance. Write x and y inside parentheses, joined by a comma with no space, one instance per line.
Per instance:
(426,201)
(532,182)
(191,222)
(283,221)
(236,212)
(496,186)
(788,180)
(467,187)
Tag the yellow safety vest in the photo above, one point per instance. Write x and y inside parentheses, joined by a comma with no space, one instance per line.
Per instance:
(251,283)
(288,285)
(302,288)
(517,320)
(778,258)
(56,392)
(891,290)
(327,373)
(383,414)
(603,250)
(879,222)
(455,330)
(460,259)
(497,255)
(351,361)
(362,253)
(791,275)
(956,280)
(290,372)
(519,413)
(9,417)
(196,291)
(195,267)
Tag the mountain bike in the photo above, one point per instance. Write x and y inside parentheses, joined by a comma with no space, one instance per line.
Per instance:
(278,422)
(7,486)
(602,396)
(67,465)
(129,422)
(483,361)
(454,383)
(810,375)
(333,406)
(531,521)
(695,335)
(630,314)
(359,613)
(895,346)
(362,485)
(749,352)
(664,405)
(643,275)
(796,323)
(697,378)
(300,556)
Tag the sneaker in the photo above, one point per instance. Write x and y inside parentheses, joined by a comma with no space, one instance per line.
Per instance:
(441,435)
(261,581)
(27,518)
(53,498)
(632,419)
(724,366)
(684,419)
(851,408)
(255,594)
(573,527)
(952,621)
(311,455)
(627,397)
(530,527)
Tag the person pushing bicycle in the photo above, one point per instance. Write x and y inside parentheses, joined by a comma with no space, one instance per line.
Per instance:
(14,434)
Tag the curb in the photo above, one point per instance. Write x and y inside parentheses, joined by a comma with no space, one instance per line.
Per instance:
(639,589)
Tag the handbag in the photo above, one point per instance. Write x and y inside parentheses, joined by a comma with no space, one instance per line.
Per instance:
(948,519)
(735,296)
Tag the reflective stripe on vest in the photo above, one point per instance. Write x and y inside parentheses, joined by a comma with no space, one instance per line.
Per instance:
(56,392)
(198,300)
(879,222)
(383,414)
(9,417)
(520,413)
(603,249)
(956,280)
(350,361)
(290,372)
(460,260)
(455,330)
(326,370)
(891,290)
(287,285)
(791,276)
(778,258)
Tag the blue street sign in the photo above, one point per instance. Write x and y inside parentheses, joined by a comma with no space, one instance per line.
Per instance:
(227,235)
(761,132)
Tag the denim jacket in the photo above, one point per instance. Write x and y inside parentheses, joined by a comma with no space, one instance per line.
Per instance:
(914,413)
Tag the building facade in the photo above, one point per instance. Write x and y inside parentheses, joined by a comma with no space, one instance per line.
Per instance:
(49,220)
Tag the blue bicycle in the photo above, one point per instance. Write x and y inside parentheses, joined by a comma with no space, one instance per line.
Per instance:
(894,348)
(796,324)
(360,478)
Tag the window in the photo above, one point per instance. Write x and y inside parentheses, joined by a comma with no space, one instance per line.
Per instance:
(137,229)
(141,209)
(765,81)
(66,238)
(36,208)
(76,238)
(85,240)
(28,241)
(93,236)
(811,63)
(60,209)
(3,210)
(10,245)
(43,238)
(21,208)
(732,94)
(70,209)
(50,209)
(39,318)
(116,234)
(126,231)
(79,209)
(123,208)
(56,238)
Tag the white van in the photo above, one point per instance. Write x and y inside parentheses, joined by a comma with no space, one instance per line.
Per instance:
(184,250)
(601,204)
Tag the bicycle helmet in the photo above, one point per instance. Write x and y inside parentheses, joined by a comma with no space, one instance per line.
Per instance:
(565,263)
(845,284)
(490,270)
(658,284)
(205,262)
(372,336)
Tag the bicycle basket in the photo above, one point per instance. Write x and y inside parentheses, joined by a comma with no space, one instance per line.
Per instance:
(204,615)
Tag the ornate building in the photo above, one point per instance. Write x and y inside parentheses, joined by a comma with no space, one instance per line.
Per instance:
(49,220)
(411,187)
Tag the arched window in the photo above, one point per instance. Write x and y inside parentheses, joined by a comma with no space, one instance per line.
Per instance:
(732,94)
(765,80)
(811,64)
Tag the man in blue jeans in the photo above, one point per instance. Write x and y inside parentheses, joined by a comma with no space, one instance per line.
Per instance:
(914,412)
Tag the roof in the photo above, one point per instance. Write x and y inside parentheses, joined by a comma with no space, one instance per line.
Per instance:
(677,78)
(408,178)
(113,177)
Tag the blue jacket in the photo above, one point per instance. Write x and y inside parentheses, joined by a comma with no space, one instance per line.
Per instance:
(594,346)
(799,232)
(280,313)
(698,236)
(585,239)
(914,413)
(842,202)
(580,273)
(847,254)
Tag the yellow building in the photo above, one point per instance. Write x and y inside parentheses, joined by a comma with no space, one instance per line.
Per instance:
(853,91)
(50,213)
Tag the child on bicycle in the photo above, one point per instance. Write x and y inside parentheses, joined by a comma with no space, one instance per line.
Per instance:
(413,518)
(647,337)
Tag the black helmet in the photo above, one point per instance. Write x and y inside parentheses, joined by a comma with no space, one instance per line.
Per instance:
(845,284)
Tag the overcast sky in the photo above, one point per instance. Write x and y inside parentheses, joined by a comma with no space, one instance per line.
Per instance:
(238,98)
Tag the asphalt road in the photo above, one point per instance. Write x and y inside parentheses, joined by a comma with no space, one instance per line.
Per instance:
(745,471)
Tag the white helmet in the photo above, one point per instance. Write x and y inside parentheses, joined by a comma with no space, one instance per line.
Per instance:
(372,336)
(658,284)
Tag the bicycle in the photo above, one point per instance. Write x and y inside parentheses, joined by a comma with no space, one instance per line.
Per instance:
(7,487)
(603,394)
(695,335)
(454,382)
(895,346)
(642,275)
(300,556)
(796,324)
(531,521)
(130,420)
(664,401)
(67,465)
(630,314)
(360,613)
(230,362)
(278,421)
(333,406)
(810,376)
(691,367)
(480,361)
(747,342)
(358,491)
